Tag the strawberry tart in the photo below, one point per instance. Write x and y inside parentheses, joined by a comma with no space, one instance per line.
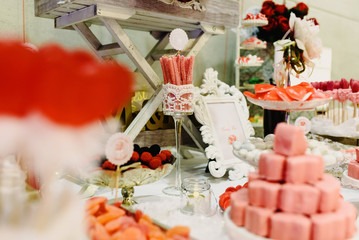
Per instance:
(253,42)
(250,61)
(289,197)
(255,20)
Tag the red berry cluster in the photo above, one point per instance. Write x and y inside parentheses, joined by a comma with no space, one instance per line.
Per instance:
(225,198)
(108,165)
(150,157)
(153,161)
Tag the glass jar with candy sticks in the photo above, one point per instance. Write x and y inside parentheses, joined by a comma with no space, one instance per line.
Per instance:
(177,101)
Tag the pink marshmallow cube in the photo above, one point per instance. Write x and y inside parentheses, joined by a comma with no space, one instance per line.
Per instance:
(252,176)
(304,169)
(287,226)
(328,226)
(315,168)
(257,220)
(349,212)
(329,189)
(296,169)
(299,198)
(239,202)
(353,169)
(289,140)
(264,194)
(271,166)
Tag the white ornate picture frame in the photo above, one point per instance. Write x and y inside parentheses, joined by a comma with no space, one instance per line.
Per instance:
(223,112)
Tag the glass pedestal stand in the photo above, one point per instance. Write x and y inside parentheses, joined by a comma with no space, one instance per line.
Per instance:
(177,102)
(177,118)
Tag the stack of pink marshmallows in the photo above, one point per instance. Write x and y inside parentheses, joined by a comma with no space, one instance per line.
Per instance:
(290,198)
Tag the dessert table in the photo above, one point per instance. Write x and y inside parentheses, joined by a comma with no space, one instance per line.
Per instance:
(165,209)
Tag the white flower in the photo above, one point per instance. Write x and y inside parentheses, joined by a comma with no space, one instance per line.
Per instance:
(119,149)
(306,37)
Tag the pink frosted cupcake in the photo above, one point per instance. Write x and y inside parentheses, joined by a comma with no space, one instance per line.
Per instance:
(344,92)
(354,95)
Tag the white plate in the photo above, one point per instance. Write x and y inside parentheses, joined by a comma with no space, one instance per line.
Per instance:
(289,106)
(238,233)
(349,181)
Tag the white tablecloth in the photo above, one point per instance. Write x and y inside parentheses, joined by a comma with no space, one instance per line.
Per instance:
(165,210)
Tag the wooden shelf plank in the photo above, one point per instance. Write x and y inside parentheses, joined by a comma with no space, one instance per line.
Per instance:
(130,49)
(218,12)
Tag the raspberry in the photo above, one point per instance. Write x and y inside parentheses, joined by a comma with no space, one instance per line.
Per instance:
(108,165)
(155,162)
(167,153)
(162,156)
(146,156)
(135,156)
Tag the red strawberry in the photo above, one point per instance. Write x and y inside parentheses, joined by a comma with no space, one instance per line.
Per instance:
(355,87)
(330,85)
(336,84)
(231,189)
(344,83)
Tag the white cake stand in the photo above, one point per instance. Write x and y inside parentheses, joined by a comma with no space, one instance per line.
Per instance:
(349,181)
(234,232)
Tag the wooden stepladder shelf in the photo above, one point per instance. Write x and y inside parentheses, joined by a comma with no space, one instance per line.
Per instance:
(152,16)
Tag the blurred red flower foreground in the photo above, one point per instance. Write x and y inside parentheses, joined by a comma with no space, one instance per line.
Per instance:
(68,87)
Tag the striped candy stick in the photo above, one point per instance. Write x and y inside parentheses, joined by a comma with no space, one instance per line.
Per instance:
(183,70)
(164,70)
(190,70)
(176,72)
(169,64)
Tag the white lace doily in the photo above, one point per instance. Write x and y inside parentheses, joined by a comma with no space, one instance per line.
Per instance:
(178,98)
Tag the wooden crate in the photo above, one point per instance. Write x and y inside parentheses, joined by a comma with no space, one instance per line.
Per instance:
(147,15)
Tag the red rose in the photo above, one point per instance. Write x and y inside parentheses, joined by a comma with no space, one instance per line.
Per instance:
(268,4)
(283,23)
(268,8)
(302,7)
(272,24)
(300,10)
(280,9)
